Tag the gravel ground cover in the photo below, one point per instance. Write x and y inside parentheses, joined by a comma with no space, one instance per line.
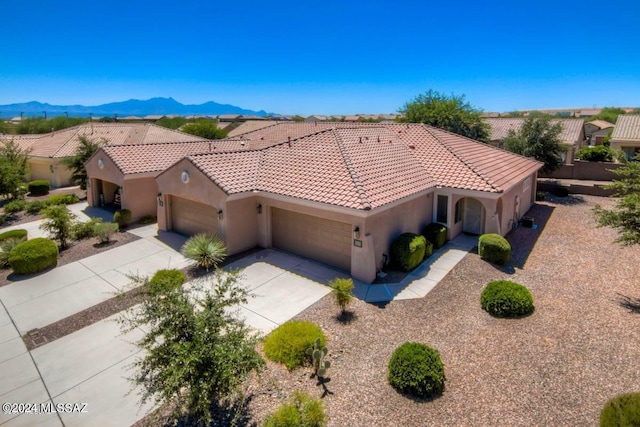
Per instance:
(556,367)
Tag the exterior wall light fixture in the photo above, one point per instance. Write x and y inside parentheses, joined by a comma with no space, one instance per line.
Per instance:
(356,232)
(259,208)
(160,202)
(220,214)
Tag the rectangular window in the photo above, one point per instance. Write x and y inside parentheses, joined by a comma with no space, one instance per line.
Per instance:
(527,184)
(442,212)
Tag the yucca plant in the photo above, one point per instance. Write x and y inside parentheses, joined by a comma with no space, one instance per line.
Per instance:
(206,250)
(5,248)
(342,292)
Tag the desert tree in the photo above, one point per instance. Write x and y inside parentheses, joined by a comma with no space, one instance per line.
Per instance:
(539,137)
(76,163)
(13,168)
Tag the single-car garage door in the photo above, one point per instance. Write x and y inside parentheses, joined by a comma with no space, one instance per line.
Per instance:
(316,238)
(189,217)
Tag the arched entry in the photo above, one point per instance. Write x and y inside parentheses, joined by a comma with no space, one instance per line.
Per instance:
(473,217)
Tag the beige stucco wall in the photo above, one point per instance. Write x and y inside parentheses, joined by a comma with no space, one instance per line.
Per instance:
(139,195)
(388,223)
(52,170)
(241,220)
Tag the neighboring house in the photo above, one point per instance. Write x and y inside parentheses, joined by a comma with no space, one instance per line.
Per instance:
(626,135)
(130,170)
(572,134)
(588,112)
(596,131)
(47,151)
(339,195)
(250,126)
(352,118)
(316,118)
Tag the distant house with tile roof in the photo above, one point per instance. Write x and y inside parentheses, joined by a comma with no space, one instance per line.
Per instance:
(316,118)
(626,135)
(572,134)
(596,130)
(47,151)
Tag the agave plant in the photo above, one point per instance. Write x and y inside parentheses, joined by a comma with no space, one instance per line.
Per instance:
(5,248)
(205,249)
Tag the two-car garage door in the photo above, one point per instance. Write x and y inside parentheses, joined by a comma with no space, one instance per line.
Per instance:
(189,217)
(316,238)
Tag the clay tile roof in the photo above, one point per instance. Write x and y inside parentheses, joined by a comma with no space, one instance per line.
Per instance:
(571,128)
(366,166)
(602,124)
(627,127)
(64,143)
(250,126)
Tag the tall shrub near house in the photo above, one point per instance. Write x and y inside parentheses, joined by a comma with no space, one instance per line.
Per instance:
(58,222)
(86,148)
(408,250)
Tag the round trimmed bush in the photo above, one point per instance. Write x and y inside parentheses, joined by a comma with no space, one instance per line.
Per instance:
(12,234)
(494,248)
(416,369)
(289,342)
(122,217)
(436,234)
(408,250)
(39,187)
(504,298)
(166,281)
(622,410)
(33,255)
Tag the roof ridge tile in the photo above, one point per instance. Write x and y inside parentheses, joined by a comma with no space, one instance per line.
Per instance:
(352,172)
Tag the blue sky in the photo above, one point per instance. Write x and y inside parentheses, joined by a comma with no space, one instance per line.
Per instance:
(322,57)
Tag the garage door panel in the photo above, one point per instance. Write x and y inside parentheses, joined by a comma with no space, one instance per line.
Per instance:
(316,238)
(190,217)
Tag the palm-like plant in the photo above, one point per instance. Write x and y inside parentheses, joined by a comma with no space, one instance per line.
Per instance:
(342,292)
(206,250)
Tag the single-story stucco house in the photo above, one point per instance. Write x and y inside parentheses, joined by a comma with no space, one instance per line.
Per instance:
(626,135)
(572,135)
(46,152)
(342,194)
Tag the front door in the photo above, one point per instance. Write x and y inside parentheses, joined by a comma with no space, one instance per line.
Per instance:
(473,216)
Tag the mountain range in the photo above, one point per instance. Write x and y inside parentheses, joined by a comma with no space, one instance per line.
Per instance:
(132,107)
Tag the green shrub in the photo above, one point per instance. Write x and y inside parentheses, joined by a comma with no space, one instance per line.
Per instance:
(12,234)
(494,248)
(436,234)
(598,153)
(39,187)
(622,410)
(205,249)
(503,298)
(408,250)
(85,230)
(540,195)
(33,255)
(15,206)
(342,289)
(35,207)
(301,410)
(289,342)
(58,221)
(122,217)
(61,199)
(165,281)
(416,369)
(104,231)
(148,219)
(6,246)
(2,219)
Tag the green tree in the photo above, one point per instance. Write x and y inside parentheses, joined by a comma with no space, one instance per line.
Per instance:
(86,148)
(204,128)
(626,216)
(58,222)
(197,351)
(4,127)
(13,168)
(38,125)
(297,118)
(450,113)
(608,114)
(539,138)
(171,123)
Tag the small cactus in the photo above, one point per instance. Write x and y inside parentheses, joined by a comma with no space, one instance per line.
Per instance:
(318,353)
